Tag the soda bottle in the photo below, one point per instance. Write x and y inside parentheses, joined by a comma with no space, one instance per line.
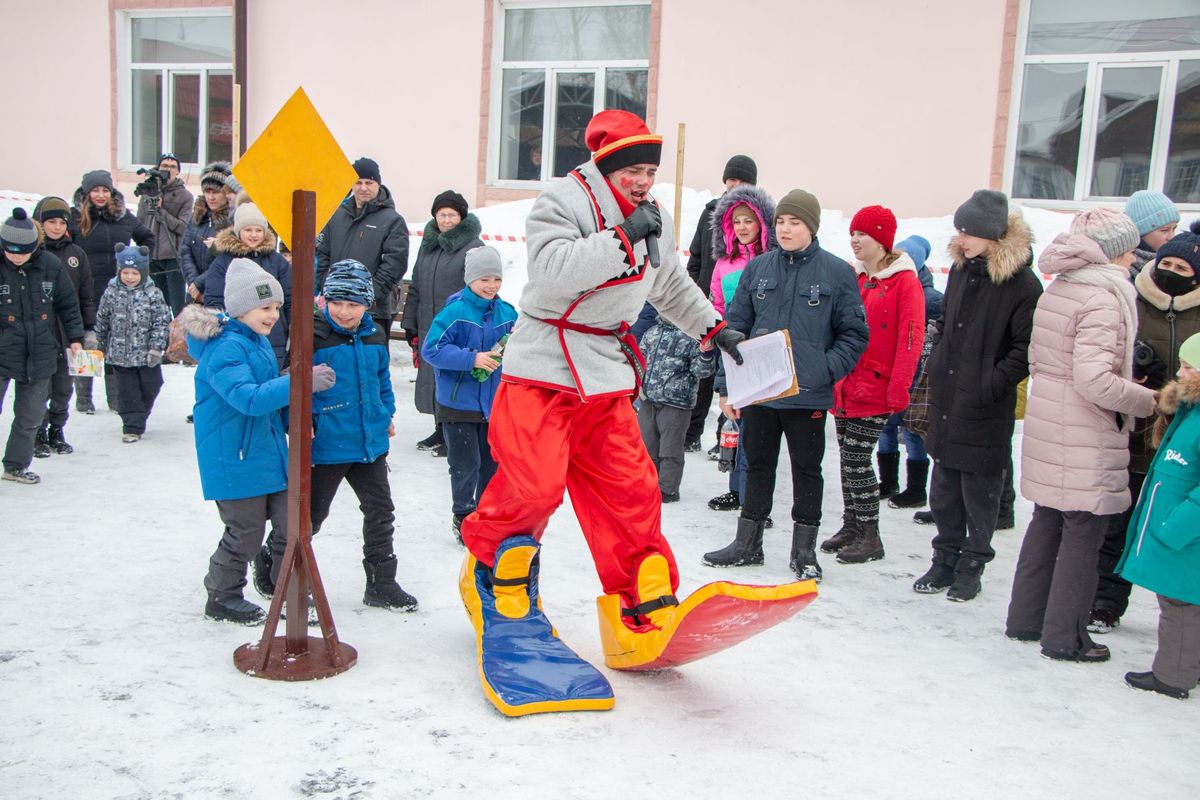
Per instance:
(729,445)
(479,373)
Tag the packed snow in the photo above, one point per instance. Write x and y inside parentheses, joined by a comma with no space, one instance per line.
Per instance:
(116,686)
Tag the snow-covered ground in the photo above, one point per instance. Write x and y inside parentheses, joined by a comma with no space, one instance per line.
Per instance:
(114,685)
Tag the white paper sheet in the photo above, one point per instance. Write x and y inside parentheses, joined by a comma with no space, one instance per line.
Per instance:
(768,370)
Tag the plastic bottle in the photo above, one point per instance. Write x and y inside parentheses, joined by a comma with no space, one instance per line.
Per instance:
(479,373)
(729,445)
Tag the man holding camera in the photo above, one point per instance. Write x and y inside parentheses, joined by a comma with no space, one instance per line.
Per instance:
(164,204)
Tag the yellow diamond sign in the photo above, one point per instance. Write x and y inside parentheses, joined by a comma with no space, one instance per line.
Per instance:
(295,151)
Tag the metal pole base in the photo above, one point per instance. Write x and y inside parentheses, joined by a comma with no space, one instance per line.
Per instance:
(317,662)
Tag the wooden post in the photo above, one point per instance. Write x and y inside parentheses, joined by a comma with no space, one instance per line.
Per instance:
(296,656)
(679,179)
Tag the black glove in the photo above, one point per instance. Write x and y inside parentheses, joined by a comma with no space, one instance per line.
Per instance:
(323,377)
(643,221)
(727,339)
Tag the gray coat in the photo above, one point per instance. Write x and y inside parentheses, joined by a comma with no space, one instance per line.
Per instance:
(131,322)
(580,269)
(171,222)
(437,274)
(674,366)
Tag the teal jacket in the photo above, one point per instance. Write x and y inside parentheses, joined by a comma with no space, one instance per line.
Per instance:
(1162,549)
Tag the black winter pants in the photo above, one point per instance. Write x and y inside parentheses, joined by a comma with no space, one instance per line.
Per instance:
(804,429)
(965,506)
(61,387)
(137,389)
(1112,591)
(28,409)
(1056,578)
(168,277)
(370,485)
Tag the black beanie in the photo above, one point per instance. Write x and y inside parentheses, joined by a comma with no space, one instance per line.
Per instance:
(452,200)
(984,215)
(742,168)
(367,169)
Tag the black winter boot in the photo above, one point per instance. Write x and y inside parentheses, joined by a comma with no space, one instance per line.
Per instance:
(83,396)
(914,494)
(725,502)
(968,580)
(867,547)
(432,440)
(940,574)
(260,571)
(456,522)
(845,537)
(41,443)
(804,553)
(889,474)
(57,442)
(382,589)
(1147,682)
(744,550)
(924,518)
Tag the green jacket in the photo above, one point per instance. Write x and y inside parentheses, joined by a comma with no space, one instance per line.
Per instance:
(1162,549)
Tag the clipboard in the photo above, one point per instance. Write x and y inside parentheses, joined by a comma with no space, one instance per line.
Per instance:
(768,371)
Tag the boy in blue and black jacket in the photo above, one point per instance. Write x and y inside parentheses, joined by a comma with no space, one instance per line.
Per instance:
(675,363)
(352,423)
(462,348)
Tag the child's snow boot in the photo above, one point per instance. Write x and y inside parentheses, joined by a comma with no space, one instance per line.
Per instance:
(382,589)
(58,442)
(41,443)
(260,569)
(940,574)
(804,553)
(83,396)
(744,550)
(968,580)
(234,609)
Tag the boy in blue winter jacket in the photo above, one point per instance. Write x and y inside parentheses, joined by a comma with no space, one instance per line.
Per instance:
(241,445)
(462,348)
(675,363)
(352,423)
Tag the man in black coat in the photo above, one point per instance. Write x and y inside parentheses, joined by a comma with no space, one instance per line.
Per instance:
(739,171)
(367,228)
(36,294)
(981,355)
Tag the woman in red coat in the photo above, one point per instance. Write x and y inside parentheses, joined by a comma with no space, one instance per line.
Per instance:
(878,386)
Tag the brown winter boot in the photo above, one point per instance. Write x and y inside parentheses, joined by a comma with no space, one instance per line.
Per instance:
(845,536)
(868,546)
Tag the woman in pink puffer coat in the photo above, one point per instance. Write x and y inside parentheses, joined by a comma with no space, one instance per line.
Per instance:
(1075,448)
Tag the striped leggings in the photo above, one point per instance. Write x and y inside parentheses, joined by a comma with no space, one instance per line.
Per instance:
(860,488)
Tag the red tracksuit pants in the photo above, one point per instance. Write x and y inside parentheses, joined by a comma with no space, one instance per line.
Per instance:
(545,441)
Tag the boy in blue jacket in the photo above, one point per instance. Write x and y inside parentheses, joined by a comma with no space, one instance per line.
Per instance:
(461,346)
(352,423)
(241,446)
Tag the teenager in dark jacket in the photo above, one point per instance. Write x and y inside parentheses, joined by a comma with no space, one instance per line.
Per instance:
(739,171)
(166,215)
(917,459)
(250,237)
(812,294)
(52,214)
(211,214)
(36,294)
(367,228)
(99,222)
(981,355)
(437,274)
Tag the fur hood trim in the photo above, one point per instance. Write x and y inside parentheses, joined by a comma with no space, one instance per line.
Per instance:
(1008,256)
(1156,297)
(757,199)
(200,211)
(228,243)
(111,212)
(200,322)
(454,239)
(1173,395)
(902,264)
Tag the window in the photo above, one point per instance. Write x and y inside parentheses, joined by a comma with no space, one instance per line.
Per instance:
(177,92)
(1109,101)
(558,66)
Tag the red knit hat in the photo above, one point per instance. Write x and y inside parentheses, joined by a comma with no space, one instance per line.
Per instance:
(877,222)
(619,139)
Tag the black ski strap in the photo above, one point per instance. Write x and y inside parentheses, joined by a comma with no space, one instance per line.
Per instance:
(641,609)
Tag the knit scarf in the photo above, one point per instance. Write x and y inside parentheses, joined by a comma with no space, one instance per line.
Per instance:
(1116,280)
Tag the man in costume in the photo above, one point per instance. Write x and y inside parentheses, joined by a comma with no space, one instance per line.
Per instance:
(562,419)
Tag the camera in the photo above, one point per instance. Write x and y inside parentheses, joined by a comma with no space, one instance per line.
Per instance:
(1148,369)
(153,183)
(1143,354)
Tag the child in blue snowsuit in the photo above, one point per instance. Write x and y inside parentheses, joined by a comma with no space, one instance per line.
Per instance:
(675,363)
(472,323)
(241,446)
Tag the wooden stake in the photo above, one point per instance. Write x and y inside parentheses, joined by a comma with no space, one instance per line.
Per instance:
(679,179)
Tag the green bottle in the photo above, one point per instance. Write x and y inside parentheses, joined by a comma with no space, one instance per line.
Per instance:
(479,373)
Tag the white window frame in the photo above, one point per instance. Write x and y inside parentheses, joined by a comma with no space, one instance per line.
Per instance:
(551,69)
(125,67)
(1096,63)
